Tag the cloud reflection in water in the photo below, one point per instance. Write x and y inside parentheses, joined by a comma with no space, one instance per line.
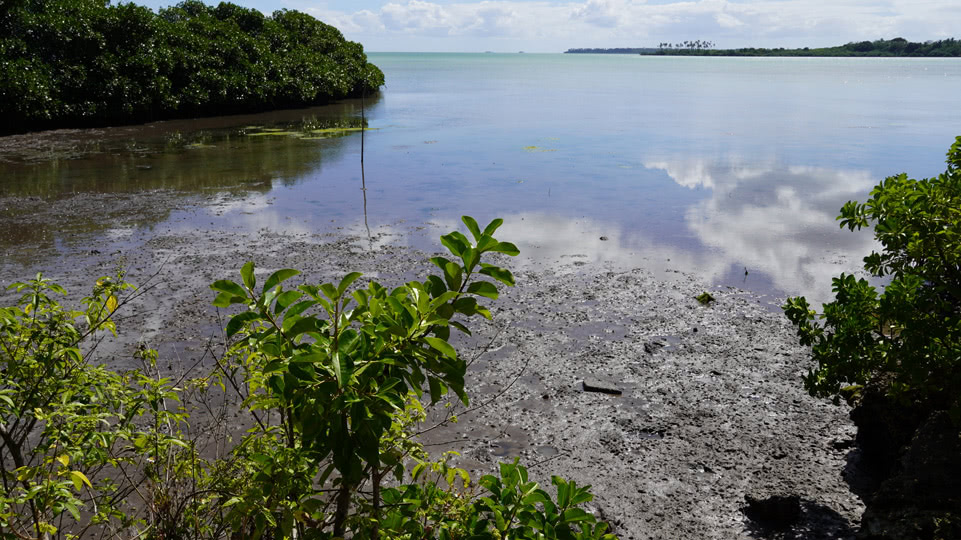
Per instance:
(776,221)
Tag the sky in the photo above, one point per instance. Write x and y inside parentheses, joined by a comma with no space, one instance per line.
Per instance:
(557,25)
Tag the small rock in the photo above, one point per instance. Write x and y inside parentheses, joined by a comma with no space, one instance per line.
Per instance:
(594,385)
(603,239)
(652,347)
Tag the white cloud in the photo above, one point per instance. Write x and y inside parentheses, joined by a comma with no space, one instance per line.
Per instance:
(544,25)
(726,20)
(603,13)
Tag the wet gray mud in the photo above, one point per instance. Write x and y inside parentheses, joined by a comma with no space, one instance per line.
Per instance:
(705,406)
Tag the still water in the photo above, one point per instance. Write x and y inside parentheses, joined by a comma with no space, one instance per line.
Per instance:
(711,166)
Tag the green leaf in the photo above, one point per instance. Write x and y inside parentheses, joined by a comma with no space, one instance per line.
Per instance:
(582,496)
(573,515)
(79,479)
(483,288)
(228,286)
(435,286)
(247,272)
(437,389)
(307,324)
(442,346)
(453,275)
(226,299)
(563,492)
(493,226)
(72,508)
(338,369)
(344,283)
(460,327)
(329,291)
(506,248)
(303,371)
(485,244)
(455,242)
(440,262)
(239,321)
(472,226)
(286,298)
(6,398)
(500,274)
(471,257)
(279,277)
(465,305)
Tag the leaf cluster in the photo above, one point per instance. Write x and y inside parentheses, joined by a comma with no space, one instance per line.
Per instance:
(87,62)
(910,333)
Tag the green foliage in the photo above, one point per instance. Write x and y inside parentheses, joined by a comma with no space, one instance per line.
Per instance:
(334,378)
(76,439)
(705,298)
(86,62)
(910,334)
(338,364)
(445,505)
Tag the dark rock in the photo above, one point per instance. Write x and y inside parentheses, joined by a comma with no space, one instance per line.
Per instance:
(604,239)
(921,499)
(595,385)
(652,347)
(776,512)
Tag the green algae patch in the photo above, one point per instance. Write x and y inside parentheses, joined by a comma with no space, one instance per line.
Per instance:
(277,133)
(309,134)
(337,130)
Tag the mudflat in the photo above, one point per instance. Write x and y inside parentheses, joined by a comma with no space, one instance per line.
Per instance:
(688,409)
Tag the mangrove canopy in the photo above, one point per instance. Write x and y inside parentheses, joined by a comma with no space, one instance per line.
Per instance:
(68,63)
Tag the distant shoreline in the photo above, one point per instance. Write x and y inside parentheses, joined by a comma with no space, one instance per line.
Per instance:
(897,47)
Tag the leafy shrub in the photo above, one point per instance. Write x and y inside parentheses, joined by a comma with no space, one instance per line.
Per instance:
(86,62)
(333,380)
(909,336)
(76,439)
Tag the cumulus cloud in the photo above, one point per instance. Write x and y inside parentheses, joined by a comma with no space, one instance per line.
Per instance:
(556,25)
(603,13)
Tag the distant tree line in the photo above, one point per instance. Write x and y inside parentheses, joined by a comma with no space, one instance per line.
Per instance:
(696,45)
(616,50)
(87,62)
(881,47)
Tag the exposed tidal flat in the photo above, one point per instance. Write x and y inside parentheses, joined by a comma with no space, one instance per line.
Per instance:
(631,186)
(710,410)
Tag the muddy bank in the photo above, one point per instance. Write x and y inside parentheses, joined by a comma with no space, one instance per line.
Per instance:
(706,405)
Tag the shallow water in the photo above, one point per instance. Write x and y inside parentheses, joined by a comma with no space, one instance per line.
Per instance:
(729,168)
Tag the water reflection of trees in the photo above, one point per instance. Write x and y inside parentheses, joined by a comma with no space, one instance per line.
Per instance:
(180,156)
(46,202)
